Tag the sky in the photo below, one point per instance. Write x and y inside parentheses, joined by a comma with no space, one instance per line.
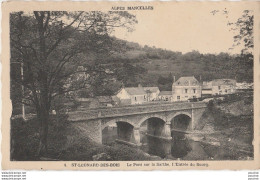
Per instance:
(185,28)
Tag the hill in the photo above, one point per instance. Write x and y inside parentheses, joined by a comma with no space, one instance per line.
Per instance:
(162,64)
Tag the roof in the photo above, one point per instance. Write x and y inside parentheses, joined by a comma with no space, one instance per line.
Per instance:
(104,99)
(135,91)
(152,89)
(217,82)
(115,99)
(165,93)
(186,81)
(84,99)
(125,101)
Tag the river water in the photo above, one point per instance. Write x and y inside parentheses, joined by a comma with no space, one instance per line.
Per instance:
(180,147)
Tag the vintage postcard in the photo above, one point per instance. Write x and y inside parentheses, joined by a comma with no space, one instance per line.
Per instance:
(130,85)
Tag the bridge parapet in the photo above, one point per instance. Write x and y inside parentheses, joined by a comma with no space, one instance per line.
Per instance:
(88,114)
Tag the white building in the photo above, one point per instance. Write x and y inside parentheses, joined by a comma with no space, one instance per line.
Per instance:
(132,95)
(244,85)
(219,87)
(165,96)
(152,93)
(186,88)
(137,95)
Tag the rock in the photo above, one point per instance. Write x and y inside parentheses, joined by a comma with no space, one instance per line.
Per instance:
(208,128)
(101,157)
(48,159)
(155,158)
(215,143)
(195,137)
(146,154)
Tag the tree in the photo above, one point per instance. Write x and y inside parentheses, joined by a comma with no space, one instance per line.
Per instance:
(52,45)
(129,74)
(245,27)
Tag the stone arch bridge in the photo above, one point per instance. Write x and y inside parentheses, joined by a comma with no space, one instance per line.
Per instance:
(160,118)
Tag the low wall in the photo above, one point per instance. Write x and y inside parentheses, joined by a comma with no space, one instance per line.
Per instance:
(131,110)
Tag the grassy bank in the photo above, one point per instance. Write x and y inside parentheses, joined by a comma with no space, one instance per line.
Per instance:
(231,120)
(63,146)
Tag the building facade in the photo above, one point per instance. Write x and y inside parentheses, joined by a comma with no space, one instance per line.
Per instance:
(152,93)
(186,88)
(244,85)
(132,95)
(219,87)
(165,96)
(137,95)
(206,89)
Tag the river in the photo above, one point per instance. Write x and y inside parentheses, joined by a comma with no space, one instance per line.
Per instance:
(181,146)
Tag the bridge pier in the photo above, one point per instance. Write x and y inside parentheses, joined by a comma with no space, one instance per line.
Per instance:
(124,131)
(136,136)
(90,122)
(167,130)
(127,134)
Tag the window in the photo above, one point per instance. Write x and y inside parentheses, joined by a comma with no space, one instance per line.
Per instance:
(178,97)
(194,97)
(135,98)
(218,87)
(194,83)
(144,97)
(194,91)
(186,90)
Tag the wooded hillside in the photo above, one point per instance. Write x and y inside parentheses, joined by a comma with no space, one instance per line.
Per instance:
(161,65)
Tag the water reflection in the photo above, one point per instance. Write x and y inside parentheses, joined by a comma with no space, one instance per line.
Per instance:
(180,147)
(158,147)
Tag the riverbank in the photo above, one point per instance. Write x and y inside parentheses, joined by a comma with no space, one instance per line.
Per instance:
(227,132)
(62,146)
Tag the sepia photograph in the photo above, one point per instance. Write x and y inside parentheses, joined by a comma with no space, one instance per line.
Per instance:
(162,82)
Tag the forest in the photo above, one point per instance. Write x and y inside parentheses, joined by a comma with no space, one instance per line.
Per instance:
(151,66)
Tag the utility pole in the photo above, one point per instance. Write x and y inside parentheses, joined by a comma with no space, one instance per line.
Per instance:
(23,107)
(22,87)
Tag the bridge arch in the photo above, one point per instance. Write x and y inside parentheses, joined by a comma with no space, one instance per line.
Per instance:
(113,121)
(173,115)
(149,117)
(181,121)
(121,131)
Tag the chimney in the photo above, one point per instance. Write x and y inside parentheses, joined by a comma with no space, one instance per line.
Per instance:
(173,78)
(140,86)
(200,78)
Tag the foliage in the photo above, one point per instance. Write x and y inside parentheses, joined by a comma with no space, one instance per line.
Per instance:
(245,27)
(165,83)
(206,66)
(51,45)
(25,138)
